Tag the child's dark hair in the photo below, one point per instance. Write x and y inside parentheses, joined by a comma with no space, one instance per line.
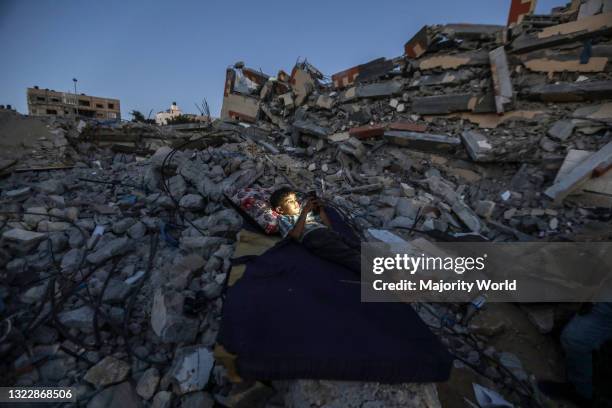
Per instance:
(279,195)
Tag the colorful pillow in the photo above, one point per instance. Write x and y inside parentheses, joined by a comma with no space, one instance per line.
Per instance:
(255,202)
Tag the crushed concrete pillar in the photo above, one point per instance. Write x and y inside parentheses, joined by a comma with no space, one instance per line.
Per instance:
(422,141)
(502,84)
(477,145)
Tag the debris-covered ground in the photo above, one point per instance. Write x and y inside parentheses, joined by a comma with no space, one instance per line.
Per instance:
(108,231)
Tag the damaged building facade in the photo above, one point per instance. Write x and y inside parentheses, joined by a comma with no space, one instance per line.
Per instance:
(46,102)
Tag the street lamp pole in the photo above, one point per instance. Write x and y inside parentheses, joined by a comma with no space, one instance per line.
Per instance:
(76,98)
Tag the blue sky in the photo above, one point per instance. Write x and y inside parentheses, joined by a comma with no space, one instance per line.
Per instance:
(150,53)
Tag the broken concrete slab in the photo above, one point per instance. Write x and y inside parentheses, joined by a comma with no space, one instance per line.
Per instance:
(302,84)
(570,91)
(443,104)
(596,164)
(325,102)
(561,129)
(587,27)
(464,31)
(418,44)
(551,61)
(502,83)
(422,141)
(374,90)
(468,216)
(366,132)
(601,112)
(450,77)
(364,72)
(115,247)
(190,369)
(354,148)
(596,191)
(167,320)
(477,146)
(492,120)
(311,128)
(453,61)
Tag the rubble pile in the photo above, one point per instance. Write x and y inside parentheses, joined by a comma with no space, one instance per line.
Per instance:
(113,267)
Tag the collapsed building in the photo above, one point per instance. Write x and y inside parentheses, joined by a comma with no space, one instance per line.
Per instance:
(110,231)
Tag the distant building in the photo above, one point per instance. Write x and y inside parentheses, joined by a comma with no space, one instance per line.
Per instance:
(46,102)
(162,118)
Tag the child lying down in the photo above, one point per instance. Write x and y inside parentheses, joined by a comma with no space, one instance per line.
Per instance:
(309,225)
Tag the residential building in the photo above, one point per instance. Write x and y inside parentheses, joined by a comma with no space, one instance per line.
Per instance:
(47,102)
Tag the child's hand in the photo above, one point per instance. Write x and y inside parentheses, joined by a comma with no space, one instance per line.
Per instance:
(309,206)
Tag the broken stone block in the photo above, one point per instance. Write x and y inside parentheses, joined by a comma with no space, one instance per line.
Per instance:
(118,246)
(401,108)
(354,148)
(50,226)
(71,260)
(485,208)
(379,89)
(167,318)
(190,369)
(338,137)
(137,231)
(120,227)
(192,202)
(147,384)
(407,191)
(598,163)
(203,245)
(561,129)
(19,194)
(467,216)
(477,146)
(24,241)
(325,102)
(32,220)
(181,273)
(81,318)
(311,128)
(422,141)
(542,316)
(108,371)
(177,186)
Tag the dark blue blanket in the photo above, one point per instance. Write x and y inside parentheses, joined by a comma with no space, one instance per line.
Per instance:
(294,315)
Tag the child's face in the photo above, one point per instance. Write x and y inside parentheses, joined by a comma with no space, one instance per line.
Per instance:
(289,206)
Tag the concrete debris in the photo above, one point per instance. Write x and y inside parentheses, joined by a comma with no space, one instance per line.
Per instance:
(108,371)
(471,133)
(190,369)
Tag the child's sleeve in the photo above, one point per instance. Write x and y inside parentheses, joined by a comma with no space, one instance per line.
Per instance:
(285,224)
